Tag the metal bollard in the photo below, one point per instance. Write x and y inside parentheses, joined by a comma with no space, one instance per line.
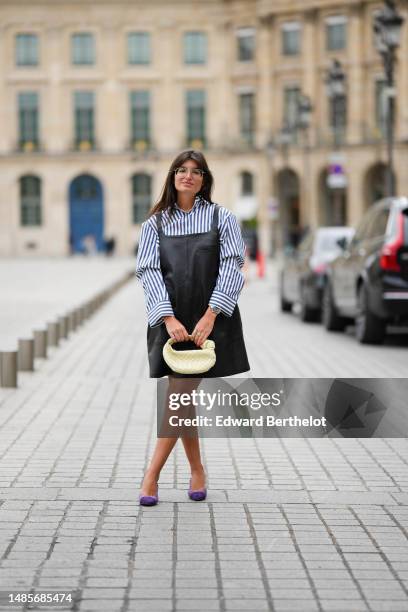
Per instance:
(52,333)
(71,321)
(61,328)
(8,368)
(25,355)
(40,343)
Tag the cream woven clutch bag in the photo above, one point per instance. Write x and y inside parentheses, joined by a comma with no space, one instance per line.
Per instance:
(195,361)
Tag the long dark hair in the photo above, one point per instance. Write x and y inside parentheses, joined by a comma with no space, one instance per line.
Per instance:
(168,196)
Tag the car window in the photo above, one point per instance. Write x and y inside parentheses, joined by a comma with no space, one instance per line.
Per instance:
(364,226)
(378,224)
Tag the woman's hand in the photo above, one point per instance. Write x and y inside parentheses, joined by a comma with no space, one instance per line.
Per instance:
(203,328)
(175,329)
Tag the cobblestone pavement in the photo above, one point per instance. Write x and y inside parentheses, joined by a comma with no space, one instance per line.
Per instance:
(288,524)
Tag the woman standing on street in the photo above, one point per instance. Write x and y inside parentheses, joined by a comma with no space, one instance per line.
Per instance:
(189,261)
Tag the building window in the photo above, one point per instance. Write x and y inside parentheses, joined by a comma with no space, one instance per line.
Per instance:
(246,44)
(247,116)
(195,103)
(195,47)
(291,33)
(28,120)
(139,48)
(247,183)
(84,120)
(381,106)
(338,117)
(336,33)
(141,197)
(290,108)
(140,118)
(83,49)
(27,50)
(30,200)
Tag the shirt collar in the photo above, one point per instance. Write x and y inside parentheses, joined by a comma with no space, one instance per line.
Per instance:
(197,201)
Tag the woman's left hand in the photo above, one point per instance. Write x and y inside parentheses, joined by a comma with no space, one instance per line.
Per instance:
(203,328)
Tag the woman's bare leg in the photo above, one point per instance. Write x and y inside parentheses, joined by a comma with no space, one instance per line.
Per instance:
(164,445)
(192,450)
(161,452)
(191,443)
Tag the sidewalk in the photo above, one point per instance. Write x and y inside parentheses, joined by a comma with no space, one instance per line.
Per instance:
(34,291)
(288,524)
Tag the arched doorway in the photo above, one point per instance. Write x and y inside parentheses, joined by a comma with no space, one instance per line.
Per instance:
(375,183)
(86,215)
(288,191)
(333,202)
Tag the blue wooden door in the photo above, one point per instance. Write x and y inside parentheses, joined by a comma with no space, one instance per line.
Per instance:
(86,218)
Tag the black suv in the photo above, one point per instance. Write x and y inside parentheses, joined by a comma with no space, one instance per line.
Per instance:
(368,283)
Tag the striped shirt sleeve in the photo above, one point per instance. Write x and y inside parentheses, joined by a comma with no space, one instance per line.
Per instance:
(232,252)
(148,271)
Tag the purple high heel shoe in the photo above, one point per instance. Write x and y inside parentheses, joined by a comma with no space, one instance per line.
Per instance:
(149,500)
(197,494)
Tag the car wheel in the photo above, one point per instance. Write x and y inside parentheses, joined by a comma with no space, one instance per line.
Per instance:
(369,328)
(332,321)
(285,306)
(307,314)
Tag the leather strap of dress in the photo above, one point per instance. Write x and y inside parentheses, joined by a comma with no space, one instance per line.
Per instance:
(159,223)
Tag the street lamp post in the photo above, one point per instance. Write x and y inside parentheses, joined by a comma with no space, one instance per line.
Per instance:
(284,138)
(272,215)
(336,90)
(387,29)
(304,118)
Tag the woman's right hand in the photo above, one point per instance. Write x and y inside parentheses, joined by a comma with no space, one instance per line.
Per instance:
(175,329)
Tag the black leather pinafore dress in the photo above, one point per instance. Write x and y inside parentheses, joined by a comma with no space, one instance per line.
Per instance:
(189,264)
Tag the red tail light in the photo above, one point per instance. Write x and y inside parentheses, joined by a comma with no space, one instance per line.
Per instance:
(389,252)
(320,268)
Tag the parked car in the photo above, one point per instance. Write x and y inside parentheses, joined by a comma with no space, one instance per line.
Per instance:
(368,283)
(303,273)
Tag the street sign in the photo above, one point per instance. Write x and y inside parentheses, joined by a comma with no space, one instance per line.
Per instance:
(336,181)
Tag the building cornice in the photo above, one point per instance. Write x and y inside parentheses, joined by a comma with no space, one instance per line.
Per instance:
(266,8)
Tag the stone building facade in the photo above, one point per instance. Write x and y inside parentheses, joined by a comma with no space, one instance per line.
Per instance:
(97,97)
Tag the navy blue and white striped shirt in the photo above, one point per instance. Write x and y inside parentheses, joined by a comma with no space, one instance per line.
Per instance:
(197,220)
